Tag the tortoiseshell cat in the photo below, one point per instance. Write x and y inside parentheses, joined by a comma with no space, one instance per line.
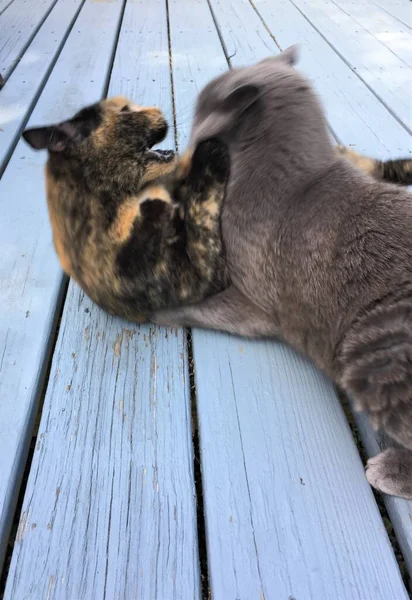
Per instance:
(126,225)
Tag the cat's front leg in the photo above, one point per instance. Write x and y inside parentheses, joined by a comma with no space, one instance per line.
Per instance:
(228,311)
(159,163)
(163,155)
(202,193)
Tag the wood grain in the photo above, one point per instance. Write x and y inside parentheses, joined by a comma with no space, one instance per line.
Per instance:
(289,513)
(113,470)
(31,280)
(30,75)
(18,24)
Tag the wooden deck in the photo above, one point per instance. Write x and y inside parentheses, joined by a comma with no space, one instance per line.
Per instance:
(265,497)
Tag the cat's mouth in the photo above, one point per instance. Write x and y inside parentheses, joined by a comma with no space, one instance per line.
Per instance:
(165,154)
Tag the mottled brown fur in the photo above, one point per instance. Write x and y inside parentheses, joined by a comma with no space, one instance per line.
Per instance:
(135,231)
(394,171)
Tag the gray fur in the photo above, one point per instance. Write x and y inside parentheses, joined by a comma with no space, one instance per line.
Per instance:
(319,254)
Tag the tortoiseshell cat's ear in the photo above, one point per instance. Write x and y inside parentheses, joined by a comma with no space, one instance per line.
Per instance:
(53,137)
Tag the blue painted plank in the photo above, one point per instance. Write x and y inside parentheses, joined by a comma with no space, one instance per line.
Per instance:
(31,280)
(386,29)
(288,510)
(4,4)
(357,117)
(113,470)
(31,73)
(363,124)
(400,9)
(384,72)
(18,24)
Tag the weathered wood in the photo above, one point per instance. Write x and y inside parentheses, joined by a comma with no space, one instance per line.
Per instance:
(384,72)
(31,278)
(288,510)
(361,121)
(113,472)
(30,75)
(18,24)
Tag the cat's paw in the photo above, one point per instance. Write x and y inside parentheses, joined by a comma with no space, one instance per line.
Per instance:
(390,472)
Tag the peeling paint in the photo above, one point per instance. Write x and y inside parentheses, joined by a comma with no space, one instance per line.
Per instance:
(22,527)
(117,346)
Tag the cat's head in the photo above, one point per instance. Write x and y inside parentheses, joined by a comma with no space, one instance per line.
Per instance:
(226,99)
(116,124)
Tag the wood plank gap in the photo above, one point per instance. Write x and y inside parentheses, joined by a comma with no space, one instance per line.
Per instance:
(392,14)
(30,453)
(9,72)
(44,81)
(219,33)
(197,465)
(115,45)
(197,469)
(23,457)
(172,85)
(351,418)
(265,25)
(5,7)
(354,71)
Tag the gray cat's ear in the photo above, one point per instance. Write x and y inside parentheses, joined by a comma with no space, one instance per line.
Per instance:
(241,98)
(53,138)
(290,56)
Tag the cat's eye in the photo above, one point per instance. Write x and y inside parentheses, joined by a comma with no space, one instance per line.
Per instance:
(125,108)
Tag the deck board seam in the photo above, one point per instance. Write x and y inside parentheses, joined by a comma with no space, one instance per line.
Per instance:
(6,7)
(353,69)
(35,31)
(396,18)
(35,99)
(114,52)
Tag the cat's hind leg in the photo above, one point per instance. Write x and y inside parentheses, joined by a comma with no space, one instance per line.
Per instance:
(203,190)
(390,472)
(228,311)
(376,371)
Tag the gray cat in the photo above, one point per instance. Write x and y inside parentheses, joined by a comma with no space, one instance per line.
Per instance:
(319,254)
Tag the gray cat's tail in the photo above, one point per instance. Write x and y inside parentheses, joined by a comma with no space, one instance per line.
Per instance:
(397,171)
(375,364)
